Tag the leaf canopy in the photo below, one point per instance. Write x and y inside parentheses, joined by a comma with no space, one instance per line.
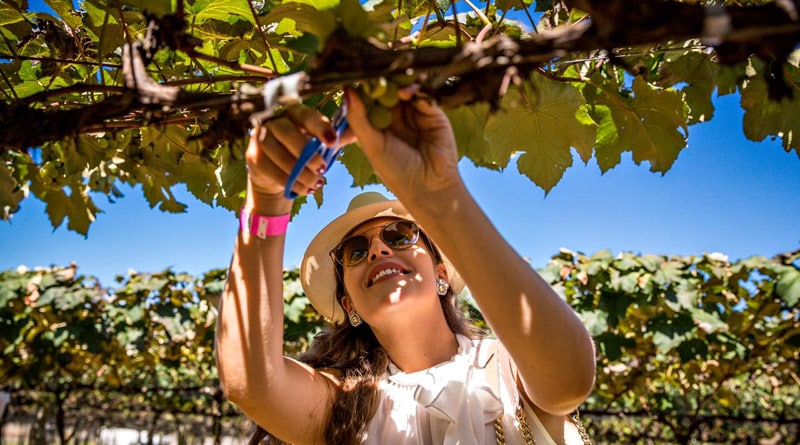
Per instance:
(575,75)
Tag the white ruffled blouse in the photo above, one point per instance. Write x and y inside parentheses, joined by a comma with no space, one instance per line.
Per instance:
(450,403)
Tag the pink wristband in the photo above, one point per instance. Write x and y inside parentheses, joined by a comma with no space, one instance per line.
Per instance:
(263,226)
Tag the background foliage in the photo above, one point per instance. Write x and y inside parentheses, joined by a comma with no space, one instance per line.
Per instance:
(63,74)
(689,348)
(692,348)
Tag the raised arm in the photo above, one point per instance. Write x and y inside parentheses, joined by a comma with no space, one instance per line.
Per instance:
(285,397)
(417,159)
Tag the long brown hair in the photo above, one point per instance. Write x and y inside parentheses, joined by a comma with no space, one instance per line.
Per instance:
(360,359)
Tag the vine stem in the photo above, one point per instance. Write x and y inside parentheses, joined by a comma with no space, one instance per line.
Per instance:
(424,28)
(245,67)
(261,33)
(497,28)
(478,12)
(458,23)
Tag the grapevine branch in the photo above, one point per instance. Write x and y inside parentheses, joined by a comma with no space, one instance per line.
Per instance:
(473,72)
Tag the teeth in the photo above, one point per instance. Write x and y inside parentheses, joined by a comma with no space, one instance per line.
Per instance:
(383,273)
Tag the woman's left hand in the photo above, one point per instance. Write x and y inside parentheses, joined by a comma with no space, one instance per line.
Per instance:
(416,155)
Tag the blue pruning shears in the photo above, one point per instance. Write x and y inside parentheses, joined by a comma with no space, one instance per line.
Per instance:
(316,146)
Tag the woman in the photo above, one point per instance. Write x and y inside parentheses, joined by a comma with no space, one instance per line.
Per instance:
(398,365)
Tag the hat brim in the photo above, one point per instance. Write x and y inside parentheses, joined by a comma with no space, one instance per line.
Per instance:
(317,274)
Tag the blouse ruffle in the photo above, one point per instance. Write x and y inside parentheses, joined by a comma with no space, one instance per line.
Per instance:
(450,403)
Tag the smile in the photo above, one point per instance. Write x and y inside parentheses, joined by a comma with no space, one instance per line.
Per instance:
(385,273)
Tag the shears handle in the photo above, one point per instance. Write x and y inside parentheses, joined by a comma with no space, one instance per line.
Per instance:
(316,146)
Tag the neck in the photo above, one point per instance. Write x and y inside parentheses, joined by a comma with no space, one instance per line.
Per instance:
(419,344)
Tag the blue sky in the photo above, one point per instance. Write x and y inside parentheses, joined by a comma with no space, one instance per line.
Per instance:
(724,194)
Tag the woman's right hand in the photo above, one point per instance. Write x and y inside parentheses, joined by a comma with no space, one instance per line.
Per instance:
(275,146)
(276,392)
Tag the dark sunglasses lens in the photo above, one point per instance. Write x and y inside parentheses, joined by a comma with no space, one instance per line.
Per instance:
(352,250)
(397,235)
(400,234)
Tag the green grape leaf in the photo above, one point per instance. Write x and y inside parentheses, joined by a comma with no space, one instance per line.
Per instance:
(198,175)
(708,321)
(66,10)
(468,124)
(765,117)
(78,207)
(82,212)
(158,8)
(354,19)
(300,18)
(788,286)
(111,38)
(98,15)
(231,174)
(68,300)
(56,206)
(651,263)
(505,5)
(293,308)
(668,272)
(166,144)
(728,78)
(657,117)
(50,295)
(671,327)
(626,262)
(608,152)
(157,188)
(596,322)
(611,345)
(358,166)
(649,124)
(542,120)
(616,304)
(223,10)
(686,296)
(320,5)
(693,349)
(627,283)
(700,73)
(382,12)
(10,193)
(734,346)
(29,74)
(234,48)
(9,15)
(306,44)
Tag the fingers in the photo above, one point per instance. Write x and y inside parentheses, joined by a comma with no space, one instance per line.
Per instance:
(409,92)
(283,159)
(359,121)
(313,122)
(278,144)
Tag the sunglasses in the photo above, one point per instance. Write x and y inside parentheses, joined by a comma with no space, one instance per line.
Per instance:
(398,235)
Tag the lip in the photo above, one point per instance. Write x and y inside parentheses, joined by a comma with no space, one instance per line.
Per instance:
(378,268)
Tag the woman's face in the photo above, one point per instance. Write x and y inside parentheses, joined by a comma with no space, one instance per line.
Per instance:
(390,283)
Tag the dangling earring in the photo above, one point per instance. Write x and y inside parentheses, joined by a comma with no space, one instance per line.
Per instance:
(442,287)
(355,319)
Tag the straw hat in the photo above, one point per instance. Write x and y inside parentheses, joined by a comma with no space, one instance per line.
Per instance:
(317,273)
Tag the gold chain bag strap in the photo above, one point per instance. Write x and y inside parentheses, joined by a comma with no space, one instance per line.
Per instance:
(520,419)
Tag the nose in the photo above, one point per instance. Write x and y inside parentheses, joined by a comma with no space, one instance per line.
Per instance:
(378,249)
